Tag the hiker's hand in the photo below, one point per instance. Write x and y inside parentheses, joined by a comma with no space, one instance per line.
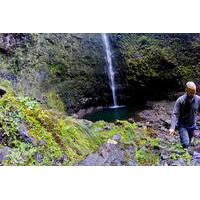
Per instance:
(171,131)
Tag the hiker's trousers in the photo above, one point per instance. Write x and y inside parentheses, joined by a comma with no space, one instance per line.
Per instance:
(186,135)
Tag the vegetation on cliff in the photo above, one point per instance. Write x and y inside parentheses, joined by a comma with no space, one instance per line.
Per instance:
(64,68)
(34,135)
(145,61)
(67,71)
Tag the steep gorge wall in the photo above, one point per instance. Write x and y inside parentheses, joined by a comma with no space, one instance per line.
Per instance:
(153,65)
(66,71)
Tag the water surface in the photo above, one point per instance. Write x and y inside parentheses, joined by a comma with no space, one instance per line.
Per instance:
(111,114)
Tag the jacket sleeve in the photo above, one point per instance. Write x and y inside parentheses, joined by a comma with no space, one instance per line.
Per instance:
(175,114)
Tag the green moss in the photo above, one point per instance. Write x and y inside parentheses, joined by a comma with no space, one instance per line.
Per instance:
(54,101)
(22,154)
(147,59)
(71,64)
(62,135)
(146,157)
(184,155)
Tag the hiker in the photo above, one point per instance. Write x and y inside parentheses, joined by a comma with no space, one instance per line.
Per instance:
(185,114)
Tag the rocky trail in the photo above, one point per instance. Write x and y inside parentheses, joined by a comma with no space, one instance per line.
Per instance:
(155,120)
(111,153)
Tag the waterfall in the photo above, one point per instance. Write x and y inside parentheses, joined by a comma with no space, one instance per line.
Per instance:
(111,73)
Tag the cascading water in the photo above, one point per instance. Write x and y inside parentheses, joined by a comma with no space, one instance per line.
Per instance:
(111,73)
(115,112)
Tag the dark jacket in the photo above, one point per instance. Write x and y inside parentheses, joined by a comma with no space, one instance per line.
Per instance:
(185,112)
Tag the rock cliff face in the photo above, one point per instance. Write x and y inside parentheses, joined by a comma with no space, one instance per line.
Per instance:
(151,65)
(66,71)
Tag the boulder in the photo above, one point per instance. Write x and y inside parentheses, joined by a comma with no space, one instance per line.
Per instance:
(4,152)
(24,134)
(116,137)
(39,157)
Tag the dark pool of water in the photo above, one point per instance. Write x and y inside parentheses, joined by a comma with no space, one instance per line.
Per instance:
(111,114)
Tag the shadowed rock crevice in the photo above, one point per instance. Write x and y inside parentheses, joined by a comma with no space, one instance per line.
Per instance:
(2,91)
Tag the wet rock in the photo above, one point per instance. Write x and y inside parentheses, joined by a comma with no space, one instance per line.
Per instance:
(59,160)
(163,163)
(164,156)
(108,154)
(148,115)
(196,156)
(197,148)
(194,163)
(24,134)
(5,74)
(4,152)
(190,150)
(130,149)
(178,162)
(181,162)
(116,137)
(175,163)
(132,163)
(39,157)
(86,111)
(172,139)
(30,140)
(159,114)
(64,158)
(41,143)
